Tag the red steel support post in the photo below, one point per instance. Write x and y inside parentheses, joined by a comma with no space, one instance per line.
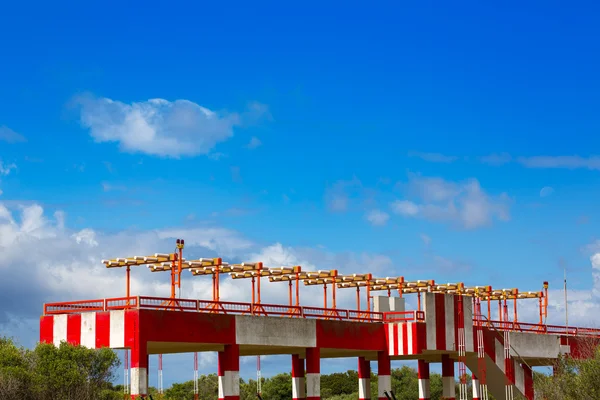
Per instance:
(313,373)
(229,372)
(423,380)
(364,379)
(384,372)
(298,383)
(448,382)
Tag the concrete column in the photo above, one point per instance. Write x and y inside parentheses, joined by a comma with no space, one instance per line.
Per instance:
(298,383)
(384,372)
(528,381)
(449,385)
(476,388)
(313,373)
(139,371)
(364,379)
(423,373)
(229,372)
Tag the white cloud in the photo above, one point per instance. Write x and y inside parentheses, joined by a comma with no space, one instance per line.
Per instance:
(377,217)
(109,187)
(426,239)
(160,127)
(496,159)
(254,143)
(6,168)
(433,157)
(546,191)
(10,136)
(463,203)
(568,162)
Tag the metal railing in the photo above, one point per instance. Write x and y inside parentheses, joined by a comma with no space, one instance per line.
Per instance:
(211,307)
(539,328)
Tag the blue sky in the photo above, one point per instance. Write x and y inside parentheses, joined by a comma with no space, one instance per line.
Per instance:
(435,141)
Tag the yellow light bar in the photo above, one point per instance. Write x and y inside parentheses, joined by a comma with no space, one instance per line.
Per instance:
(138,260)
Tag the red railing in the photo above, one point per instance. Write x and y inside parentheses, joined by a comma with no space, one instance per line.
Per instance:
(206,306)
(404,316)
(540,328)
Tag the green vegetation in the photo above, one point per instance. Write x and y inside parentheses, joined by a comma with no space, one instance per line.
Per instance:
(76,373)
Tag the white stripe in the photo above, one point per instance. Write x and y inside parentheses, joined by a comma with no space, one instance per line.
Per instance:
(117,329)
(450,323)
(476,389)
(564,349)
(313,385)
(298,388)
(139,381)
(384,385)
(221,385)
(449,387)
(401,339)
(430,320)
(423,388)
(409,334)
(468,313)
(60,329)
(88,330)
(392,339)
(499,355)
(231,383)
(364,388)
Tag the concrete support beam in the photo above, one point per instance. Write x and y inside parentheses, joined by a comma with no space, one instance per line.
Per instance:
(298,381)
(229,372)
(384,372)
(448,382)
(423,372)
(364,379)
(476,388)
(313,373)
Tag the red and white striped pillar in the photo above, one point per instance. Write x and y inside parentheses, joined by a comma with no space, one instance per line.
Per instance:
(448,382)
(313,373)
(364,379)
(423,372)
(476,388)
(229,372)
(298,384)
(139,371)
(384,372)
(528,381)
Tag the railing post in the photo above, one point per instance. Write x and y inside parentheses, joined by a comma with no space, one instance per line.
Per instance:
(103,304)
(137,301)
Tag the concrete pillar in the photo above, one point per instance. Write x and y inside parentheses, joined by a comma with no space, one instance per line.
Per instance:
(449,385)
(298,383)
(476,388)
(313,373)
(528,381)
(423,373)
(139,371)
(229,372)
(364,379)
(384,372)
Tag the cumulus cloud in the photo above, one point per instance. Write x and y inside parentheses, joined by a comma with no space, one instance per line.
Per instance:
(6,168)
(463,203)
(567,162)
(377,217)
(10,136)
(254,143)
(160,127)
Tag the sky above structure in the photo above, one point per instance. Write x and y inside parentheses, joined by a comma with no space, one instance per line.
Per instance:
(455,142)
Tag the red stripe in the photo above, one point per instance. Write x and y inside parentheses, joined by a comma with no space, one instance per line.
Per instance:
(447,365)
(313,360)
(509,370)
(222,363)
(103,329)
(297,366)
(404,339)
(423,369)
(396,339)
(413,329)
(131,328)
(440,321)
(234,356)
(74,329)
(528,381)
(420,337)
(364,368)
(384,364)
(47,329)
